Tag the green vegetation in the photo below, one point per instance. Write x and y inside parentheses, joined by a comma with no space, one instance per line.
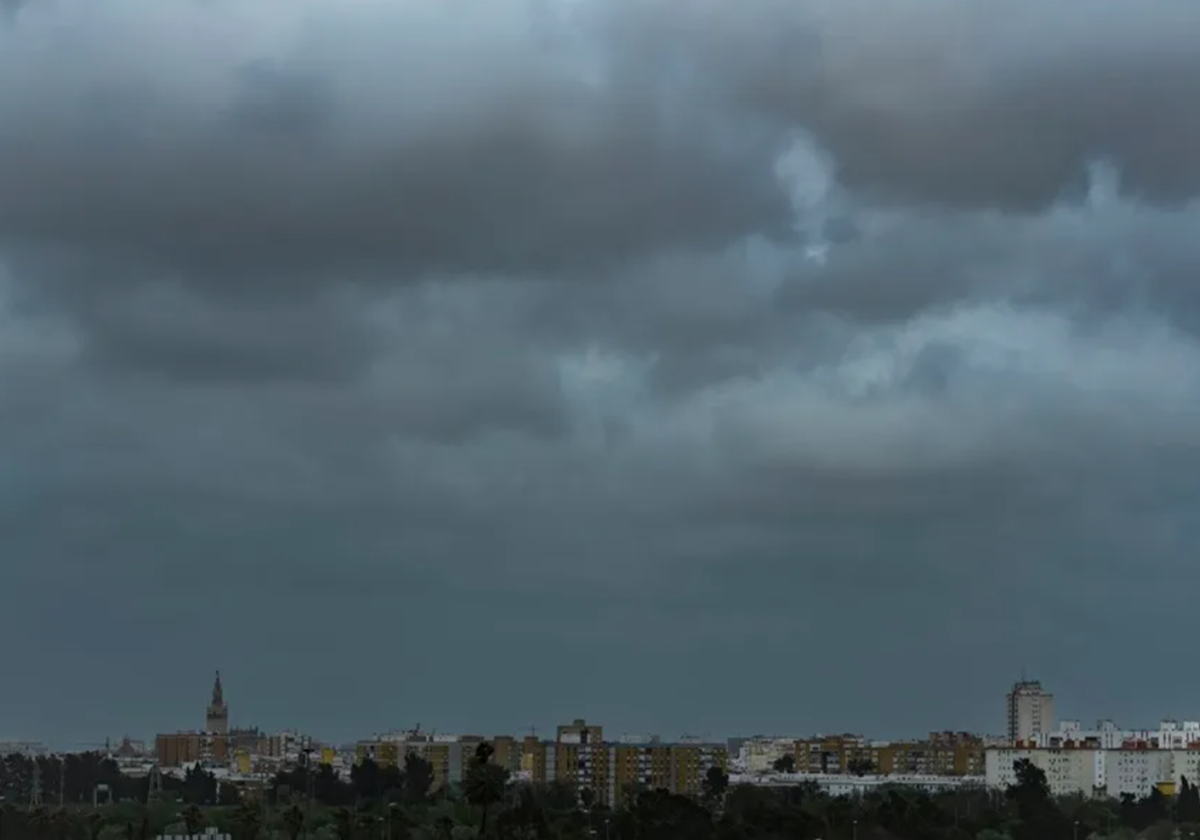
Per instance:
(390,803)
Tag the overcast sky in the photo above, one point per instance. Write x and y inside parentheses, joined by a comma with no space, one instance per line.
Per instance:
(697,367)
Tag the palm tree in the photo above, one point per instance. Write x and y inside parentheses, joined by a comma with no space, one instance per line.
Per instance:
(193,819)
(293,821)
(714,786)
(485,783)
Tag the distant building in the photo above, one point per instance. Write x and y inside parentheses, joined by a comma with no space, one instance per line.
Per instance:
(1170,735)
(216,720)
(29,749)
(1097,772)
(941,754)
(616,771)
(1030,711)
(130,748)
(833,754)
(579,756)
(848,784)
(580,731)
(449,756)
(759,755)
(216,743)
(174,749)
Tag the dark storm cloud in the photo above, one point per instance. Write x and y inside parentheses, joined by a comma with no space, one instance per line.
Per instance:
(971,104)
(398,343)
(313,165)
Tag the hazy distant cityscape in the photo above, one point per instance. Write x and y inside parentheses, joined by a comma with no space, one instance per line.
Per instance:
(1075,759)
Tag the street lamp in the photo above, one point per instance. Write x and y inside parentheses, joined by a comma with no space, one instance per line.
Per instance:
(310,781)
(392,808)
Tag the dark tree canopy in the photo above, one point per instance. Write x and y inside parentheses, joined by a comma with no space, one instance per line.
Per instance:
(409,803)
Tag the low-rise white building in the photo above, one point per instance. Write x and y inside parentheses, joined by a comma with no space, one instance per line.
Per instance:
(846,784)
(1097,772)
(1170,735)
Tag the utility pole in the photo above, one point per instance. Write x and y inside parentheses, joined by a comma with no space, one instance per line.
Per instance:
(310,781)
(154,786)
(35,790)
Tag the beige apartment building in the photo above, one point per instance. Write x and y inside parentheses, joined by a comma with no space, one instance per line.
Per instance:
(1029,710)
(941,754)
(579,756)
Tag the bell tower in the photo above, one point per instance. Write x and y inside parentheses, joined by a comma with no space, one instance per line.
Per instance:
(216,721)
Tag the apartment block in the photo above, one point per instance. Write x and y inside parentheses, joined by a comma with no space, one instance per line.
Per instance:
(641,764)
(652,765)
(758,755)
(690,763)
(449,756)
(1170,735)
(613,771)
(581,758)
(509,753)
(1097,772)
(175,749)
(386,751)
(833,753)
(1029,709)
(534,760)
(942,754)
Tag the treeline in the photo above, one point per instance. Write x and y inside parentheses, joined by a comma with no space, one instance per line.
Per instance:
(70,779)
(400,803)
(368,781)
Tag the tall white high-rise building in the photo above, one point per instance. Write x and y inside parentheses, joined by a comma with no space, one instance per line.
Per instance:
(1030,711)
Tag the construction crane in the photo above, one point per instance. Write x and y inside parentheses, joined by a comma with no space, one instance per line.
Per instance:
(104,747)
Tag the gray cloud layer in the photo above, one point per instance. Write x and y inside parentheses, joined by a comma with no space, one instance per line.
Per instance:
(407,348)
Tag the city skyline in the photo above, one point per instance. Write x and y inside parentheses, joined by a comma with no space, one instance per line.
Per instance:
(1016,724)
(690,366)
(1110,759)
